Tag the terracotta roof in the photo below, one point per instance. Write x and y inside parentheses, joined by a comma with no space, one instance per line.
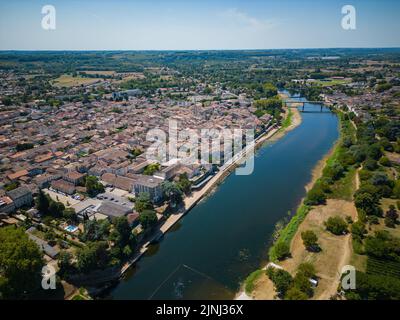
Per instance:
(18,174)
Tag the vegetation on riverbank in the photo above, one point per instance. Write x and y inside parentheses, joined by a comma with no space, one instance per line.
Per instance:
(281,247)
(249,283)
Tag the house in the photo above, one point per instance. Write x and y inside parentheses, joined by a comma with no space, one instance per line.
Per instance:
(113,210)
(138,167)
(150,185)
(63,186)
(169,172)
(44,179)
(126,94)
(6,205)
(21,196)
(52,252)
(119,182)
(74,177)
(17,175)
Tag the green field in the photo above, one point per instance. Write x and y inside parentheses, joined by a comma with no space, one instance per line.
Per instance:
(68,81)
(332,82)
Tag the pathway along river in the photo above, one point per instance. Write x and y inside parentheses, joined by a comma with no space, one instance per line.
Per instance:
(226,236)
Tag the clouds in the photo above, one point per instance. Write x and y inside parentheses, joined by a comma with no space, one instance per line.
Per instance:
(242,19)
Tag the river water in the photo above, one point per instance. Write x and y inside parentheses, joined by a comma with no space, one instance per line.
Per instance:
(226,236)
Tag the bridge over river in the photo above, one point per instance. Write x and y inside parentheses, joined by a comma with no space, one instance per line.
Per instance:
(299,103)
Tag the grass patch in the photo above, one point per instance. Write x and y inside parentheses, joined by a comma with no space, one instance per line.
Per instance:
(288,120)
(287,233)
(78,297)
(68,81)
(251,279)
(332,82)
(344,187)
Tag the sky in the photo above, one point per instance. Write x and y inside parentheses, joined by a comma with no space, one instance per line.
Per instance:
(197,25)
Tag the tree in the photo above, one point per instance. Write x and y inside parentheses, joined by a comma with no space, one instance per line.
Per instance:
(184,183)
(358,229)
(148,218)
(172,192)
(64,262)
(302,282)
(70,214)
(391,217)
(95,230)
(42,202)
(124,236)
(336,225)
(367,199)
(270,90)
(282,250)
(310,239)
(151,169)
(20,264)
(384,161)
(295,293)
(374,151)
(307,269)
(371,164)
(93,186)
(143,202)
(93,256)
(282,280)
(383,246)
(56,209)
(315,196)
(334,171)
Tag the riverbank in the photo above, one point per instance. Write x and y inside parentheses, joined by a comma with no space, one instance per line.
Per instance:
(336,250)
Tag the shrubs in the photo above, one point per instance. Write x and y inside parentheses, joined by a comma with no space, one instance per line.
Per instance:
(289,288)
(358,230)
(383,246)
(282,280)
(295,293)
(315,196)
(310,240)
(391,217)
(367,199)
(282,250)
(384,161)
(336,225)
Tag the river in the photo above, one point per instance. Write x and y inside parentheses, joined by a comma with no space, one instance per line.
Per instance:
(226,236)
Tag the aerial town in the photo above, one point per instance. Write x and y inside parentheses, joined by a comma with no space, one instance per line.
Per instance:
(74,175)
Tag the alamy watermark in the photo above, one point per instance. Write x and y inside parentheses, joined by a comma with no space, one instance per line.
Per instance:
(49,18)
(348,273)
(349,18)
(48,277)
(206,146)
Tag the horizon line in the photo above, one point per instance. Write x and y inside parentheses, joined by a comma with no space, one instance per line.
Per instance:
(182,50)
